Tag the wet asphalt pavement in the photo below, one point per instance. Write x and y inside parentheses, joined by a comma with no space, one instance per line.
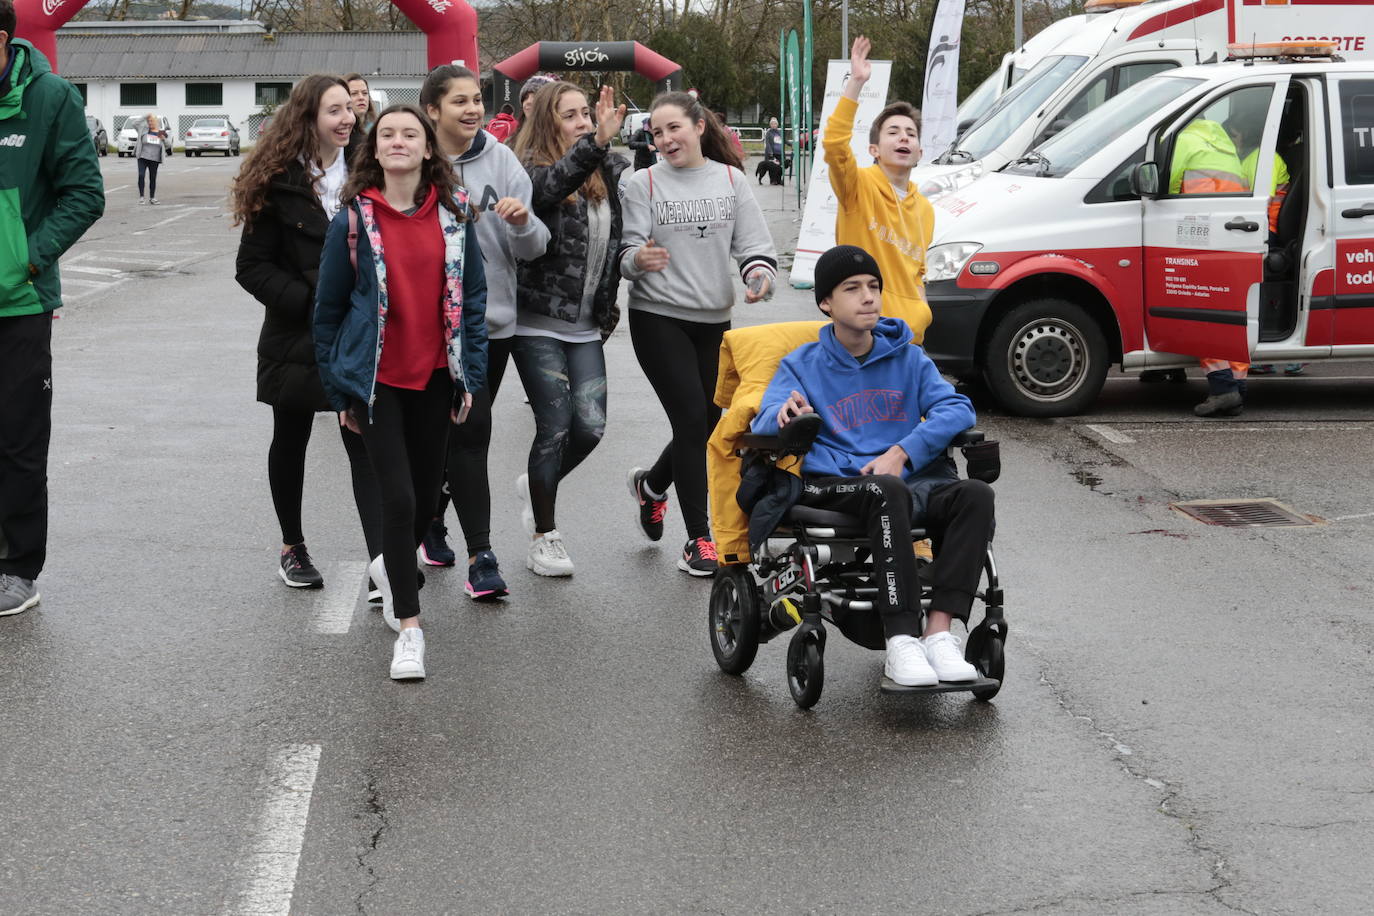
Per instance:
(1183,728)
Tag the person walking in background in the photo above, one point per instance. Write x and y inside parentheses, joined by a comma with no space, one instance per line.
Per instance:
(52,191)
(285,195)
(880,209)
(527,91)
(503,125)
(364,108)
(686,219)
(150,155)
(642,142)
(507,231)
(400,336)
(566,299)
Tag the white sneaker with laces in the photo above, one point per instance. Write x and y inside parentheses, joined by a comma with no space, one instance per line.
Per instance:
(947,659)
(906,663)
(522,489)
(377,570)
(548,556)
(408,656)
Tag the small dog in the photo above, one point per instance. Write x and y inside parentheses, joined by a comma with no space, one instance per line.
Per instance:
(770,167)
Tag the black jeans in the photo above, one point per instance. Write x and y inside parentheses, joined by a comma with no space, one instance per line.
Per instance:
(958,520)
(25,432)
(680,359)
(406,442)
(151,168)
(566,383)
(467,482)
(286,477)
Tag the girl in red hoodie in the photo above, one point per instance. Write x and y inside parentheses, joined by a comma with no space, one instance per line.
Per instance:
(400,338)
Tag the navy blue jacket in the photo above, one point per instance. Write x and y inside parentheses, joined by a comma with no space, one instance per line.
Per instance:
(346,316)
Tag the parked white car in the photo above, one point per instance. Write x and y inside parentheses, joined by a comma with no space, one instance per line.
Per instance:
(214,135)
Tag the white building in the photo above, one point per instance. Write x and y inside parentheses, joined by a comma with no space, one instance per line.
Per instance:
(239,70)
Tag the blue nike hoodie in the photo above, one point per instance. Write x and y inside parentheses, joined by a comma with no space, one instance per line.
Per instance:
(868,407)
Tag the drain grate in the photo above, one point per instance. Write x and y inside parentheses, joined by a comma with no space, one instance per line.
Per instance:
(1243,513)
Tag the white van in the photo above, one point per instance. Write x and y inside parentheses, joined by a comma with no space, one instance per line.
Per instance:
(1077,256)
(1015,64)
(1115,50)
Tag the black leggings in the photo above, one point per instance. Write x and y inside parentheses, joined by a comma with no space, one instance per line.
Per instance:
(680,359)
(150,167)
(406,440)
(566,383)
(286,477)
(467,482)
(959,520)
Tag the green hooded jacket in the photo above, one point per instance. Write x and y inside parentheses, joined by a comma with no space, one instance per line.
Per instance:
(50,185)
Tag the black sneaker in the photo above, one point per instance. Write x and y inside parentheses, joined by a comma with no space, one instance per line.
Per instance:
(298,571)
(434,549)
(484,579)
(699,557)
(651,511)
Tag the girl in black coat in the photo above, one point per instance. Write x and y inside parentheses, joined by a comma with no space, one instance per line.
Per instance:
(285,195)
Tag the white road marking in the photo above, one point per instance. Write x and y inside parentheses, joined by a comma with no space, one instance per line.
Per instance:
(336,604)
(87,269)
(120,188)
(1111,435)
(272,860)
(1346,518)
(1223,427)
(1286,378)
(171,219)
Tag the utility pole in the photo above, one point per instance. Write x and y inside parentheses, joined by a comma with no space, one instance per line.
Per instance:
(844,29)
(1020,37)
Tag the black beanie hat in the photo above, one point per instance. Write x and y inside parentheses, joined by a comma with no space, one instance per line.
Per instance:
(839,264)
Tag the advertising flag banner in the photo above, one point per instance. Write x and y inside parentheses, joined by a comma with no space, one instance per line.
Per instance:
(818,216)
(808,66)
(940,98)
(794,103)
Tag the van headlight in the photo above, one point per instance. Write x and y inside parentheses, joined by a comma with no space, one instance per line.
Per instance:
(944,262)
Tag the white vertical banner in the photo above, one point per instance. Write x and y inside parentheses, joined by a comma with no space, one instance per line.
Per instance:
(817,232)
(940,98)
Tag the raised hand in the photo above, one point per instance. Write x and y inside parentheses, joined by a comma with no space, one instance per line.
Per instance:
(608,116)
(860,67)
(512,211)
(652,257)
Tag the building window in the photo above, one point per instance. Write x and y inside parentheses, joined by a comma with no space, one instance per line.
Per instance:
(81,88)
(205,94)
(270,93)
(142,95)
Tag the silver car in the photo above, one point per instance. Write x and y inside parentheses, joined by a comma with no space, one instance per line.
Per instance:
(212,134)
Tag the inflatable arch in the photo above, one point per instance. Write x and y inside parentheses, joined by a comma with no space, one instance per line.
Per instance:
(509,74)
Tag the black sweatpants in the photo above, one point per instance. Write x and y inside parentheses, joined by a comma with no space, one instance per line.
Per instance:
(466,479)
(151,168)
(959,520)
(406,443)
(286,476)
(680,359)
(25,432)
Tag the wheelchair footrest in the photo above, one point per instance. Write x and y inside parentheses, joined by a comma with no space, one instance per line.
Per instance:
(890,686)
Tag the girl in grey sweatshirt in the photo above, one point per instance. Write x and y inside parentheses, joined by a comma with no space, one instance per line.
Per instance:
(507,229)
(686,219)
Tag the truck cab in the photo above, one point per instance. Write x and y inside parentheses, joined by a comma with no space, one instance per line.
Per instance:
(1094,248)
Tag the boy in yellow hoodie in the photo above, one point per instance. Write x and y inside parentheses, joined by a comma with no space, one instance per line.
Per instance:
(880,209)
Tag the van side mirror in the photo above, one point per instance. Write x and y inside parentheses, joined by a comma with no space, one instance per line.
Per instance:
(1145,179)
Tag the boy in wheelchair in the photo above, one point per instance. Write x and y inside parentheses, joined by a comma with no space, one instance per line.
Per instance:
(888,418)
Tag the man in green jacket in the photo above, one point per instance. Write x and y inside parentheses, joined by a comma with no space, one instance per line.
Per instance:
(50,193)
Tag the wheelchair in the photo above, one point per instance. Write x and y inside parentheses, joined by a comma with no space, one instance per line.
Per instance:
(813,569)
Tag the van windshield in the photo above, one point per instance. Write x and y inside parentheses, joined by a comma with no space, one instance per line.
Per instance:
(1014,108)
(981,99)
(1093,132)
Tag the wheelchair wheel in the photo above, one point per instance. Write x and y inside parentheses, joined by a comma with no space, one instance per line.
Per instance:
(984,652)
(805,670)
(734,619)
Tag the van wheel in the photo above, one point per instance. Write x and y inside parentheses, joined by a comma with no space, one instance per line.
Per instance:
(1046,358)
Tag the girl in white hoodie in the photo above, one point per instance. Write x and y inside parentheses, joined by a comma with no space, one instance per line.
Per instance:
(499,190)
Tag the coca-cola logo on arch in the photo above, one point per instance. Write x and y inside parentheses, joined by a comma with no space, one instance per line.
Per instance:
(52,6)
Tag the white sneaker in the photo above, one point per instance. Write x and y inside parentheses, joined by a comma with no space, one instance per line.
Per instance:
(548,556)
(945,657)
(906,663)
(522,489)
(377,570)
(408,656)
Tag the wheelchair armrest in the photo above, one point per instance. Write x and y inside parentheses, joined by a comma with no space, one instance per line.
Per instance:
(793,439)
(967,437)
